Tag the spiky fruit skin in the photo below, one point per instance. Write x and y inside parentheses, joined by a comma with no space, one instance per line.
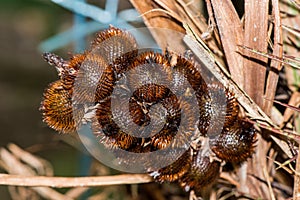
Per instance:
(57,108)
(103,66)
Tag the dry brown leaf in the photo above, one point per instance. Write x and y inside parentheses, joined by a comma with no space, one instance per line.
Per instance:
(275,67)
(158,20)
(294,102)
(231,34)
(256,36)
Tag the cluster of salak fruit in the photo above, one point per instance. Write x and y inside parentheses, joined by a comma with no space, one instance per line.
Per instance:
(114,53)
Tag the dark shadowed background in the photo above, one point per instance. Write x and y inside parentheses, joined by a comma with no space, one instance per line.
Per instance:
(24,75)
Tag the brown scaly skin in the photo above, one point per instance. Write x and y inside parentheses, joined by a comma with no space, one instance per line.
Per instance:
(193,171)
(202,173)
(235,143)
(56,106)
